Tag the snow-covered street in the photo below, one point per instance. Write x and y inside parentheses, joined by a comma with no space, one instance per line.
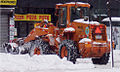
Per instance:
(52,63)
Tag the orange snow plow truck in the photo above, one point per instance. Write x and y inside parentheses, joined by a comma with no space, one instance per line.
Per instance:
(74,36)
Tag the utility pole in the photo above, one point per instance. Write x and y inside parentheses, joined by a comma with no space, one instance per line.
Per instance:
(110,22)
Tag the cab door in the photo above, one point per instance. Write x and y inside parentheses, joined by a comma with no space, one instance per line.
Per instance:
(62,19)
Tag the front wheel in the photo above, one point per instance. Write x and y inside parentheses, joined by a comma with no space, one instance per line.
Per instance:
(68,49)
(102,61)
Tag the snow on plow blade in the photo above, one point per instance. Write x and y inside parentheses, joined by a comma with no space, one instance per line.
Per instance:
(11,48)
(33,47)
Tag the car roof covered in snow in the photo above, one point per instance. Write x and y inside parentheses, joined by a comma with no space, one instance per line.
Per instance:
(114,19)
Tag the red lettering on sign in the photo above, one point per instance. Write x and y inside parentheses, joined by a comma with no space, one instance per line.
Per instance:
(31,17)
(19,17)
(47,17)
(43,17)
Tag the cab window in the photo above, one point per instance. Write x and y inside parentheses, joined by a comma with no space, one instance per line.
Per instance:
(62,17)
(78,13)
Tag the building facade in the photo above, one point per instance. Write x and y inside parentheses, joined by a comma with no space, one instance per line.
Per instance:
(7,8)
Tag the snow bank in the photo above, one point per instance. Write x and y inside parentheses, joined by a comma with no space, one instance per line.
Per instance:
(70,29)
(116,19)
(86,22)
(25,63)
(52,63)
(85,40)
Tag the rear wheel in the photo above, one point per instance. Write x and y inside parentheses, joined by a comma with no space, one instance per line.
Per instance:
(102,61)
(68,49)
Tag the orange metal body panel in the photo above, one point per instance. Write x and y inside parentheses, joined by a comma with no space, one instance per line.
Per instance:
(87,50)
(36,32)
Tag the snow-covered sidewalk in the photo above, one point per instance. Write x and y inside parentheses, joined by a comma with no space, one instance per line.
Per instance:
(52,63)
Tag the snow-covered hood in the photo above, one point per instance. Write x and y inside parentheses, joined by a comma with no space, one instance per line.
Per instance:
(99,43)
(86,22)
(85,40)
(69,29)
(89,40)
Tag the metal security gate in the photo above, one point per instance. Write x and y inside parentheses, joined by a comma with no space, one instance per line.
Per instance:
(4,27)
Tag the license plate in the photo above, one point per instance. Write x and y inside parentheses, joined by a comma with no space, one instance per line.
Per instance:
(98,37)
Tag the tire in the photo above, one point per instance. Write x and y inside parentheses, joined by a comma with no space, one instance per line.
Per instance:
(68,49)
(41,46)
(101,61)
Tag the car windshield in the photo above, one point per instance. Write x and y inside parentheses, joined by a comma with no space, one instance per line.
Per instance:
(79,12)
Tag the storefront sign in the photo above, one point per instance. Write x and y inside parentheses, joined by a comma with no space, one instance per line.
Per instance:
(8,2)
(32,17)
(12,29)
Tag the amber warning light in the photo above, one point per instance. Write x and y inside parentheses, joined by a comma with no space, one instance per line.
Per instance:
(97,30)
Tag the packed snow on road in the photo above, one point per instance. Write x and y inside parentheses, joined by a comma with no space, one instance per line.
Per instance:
(52,63)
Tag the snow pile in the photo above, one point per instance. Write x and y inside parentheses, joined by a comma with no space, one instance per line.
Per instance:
(52,63)
(85,40)
(117,19)
(70,29)
(25,63)
(86,22)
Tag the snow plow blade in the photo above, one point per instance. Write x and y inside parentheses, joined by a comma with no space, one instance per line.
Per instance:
(11,48)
